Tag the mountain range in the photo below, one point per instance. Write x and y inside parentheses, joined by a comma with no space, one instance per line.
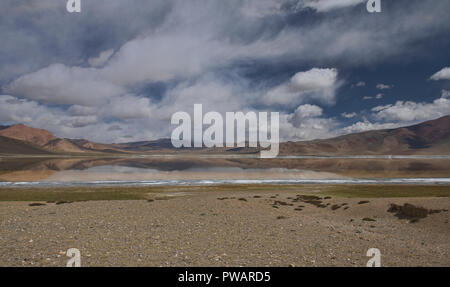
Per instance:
(427,138)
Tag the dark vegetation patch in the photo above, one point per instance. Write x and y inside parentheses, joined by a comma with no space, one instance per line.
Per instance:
(335,206)
(411,212)
(242,199)
(310,199)
(281,203)
(36,204)
(384,191)
(368,219)
(363,202)
(63,202)
(281,217)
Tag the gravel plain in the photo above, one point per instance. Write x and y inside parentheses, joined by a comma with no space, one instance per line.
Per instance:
(248,228)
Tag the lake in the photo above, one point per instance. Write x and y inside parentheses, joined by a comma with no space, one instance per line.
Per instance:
(204,170)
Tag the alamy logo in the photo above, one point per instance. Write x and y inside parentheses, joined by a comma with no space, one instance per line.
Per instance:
(73,6)
(375,260)
(258,130)
(75,257)
(374,6)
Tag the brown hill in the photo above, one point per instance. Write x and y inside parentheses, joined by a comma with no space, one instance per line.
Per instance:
(62,146)
(44,141)
(13,146)
(21,132)
(431,137)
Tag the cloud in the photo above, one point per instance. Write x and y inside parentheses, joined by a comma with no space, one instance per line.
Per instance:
(359,84)
(63,85)
(408,111)
(445,94)
(102,58)
(349,115)
(313,85)
(368,126)
(378,96)
(91,75)
(299,127)
(384,87)
(307,111)
(443,74)
(328,5)
(64,124)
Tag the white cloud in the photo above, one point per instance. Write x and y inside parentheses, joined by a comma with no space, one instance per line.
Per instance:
(307,111)
(378,96)
(443,74)
(407,111)
(306,123)
(63,85)
(349,115)
(307,128)
(313,85)
(368,126)
(384,87)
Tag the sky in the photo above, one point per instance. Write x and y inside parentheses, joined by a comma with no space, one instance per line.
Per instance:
(117,71)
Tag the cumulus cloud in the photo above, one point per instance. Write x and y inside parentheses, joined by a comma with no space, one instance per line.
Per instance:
(293,128)
(313,85)
(443,74)
(408,111)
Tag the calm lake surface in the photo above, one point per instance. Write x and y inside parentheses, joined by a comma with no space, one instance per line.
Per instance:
(204,170)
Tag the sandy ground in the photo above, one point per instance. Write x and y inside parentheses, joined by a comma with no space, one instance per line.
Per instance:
(223,229)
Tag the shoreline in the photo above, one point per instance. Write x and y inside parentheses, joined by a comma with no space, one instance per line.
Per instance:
(84,193)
